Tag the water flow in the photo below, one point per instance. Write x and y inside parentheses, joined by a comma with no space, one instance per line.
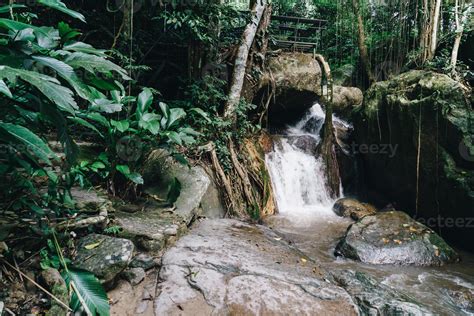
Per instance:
(297,176)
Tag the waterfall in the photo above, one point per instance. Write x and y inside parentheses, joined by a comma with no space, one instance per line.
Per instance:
(297,176)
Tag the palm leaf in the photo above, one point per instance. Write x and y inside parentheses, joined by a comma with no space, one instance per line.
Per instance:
(67,73)
(84,48)
(60,6)
(49,86)
(88,292)
(93,64)
(4,89)
(30,140)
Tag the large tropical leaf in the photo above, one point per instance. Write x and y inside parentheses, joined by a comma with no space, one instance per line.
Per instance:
(60,6)
(145,98)
(7,8)
(93,64)
(4,89)
(31,142)
(49,86)
(88,289)
(84,48)
(67,73)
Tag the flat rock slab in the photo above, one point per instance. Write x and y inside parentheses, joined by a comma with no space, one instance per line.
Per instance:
(395,238)
(229,267)
(152,229)
(103,256)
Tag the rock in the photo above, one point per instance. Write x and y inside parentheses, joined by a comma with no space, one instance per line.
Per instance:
(106,257)
(57,286)
(91,201)
(352,208)
(30,286)
(130,208)
(143,261)
(374,298)
(463,298)
(134,275)
(297,78)
(229,267)
(155,227)
(211,205)
(345,99)
(386,133)
(395,238)
(161,169)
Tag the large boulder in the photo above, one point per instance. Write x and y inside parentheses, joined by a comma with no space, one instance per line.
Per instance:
(104,256)
(347,207)
(346,99)
(432,108)
(395,238)
(297,79)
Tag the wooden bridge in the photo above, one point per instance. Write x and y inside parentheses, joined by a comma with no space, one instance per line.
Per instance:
(297,34)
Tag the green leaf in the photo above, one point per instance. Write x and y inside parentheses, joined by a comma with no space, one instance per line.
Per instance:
(175,138)
(123,169)
(84,123)
(60,6)
(4,89)
(176,114)
(136,178)
(106,106)
(33,143)
(88,289)
(84,48)
(7,8)
(67,73)
(94,64)
(122,126)
(202,113)
(145,98)
(49,86)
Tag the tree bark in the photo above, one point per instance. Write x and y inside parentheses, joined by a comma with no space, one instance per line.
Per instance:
(364,56)
(328,144)
(240,64)
(459,11)
(435,26)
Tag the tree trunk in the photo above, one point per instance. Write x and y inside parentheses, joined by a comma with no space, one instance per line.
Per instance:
(459,11)
(328,145)
(364,56)
(240,64)
(435,25)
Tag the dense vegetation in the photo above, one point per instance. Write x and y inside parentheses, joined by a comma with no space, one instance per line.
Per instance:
(155,74)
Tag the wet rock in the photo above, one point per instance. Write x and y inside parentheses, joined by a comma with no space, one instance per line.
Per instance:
(373,298)
(143,261)
(130,208)
(394,238)
(57,286)
(463,298)
(134,275)
(347,207)
(103,256)
(230,267)
(345,99)
(389,122)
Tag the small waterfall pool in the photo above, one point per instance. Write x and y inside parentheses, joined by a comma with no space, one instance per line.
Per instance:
(305,217)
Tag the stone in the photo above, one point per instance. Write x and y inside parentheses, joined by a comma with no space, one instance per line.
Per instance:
(394,238)
(57,286)
(463,298)
(386,136)
(143,261)
(374,298)
(297,79)
(104,256)
(134,275)
(347,207)
(345,100)
(91,201)
(227,266)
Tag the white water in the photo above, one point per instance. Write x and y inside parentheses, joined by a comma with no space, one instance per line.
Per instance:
(297,176)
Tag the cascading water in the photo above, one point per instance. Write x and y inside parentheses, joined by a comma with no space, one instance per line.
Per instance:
(297,176)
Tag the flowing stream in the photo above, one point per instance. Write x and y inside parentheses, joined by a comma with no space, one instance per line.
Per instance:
(306,218)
